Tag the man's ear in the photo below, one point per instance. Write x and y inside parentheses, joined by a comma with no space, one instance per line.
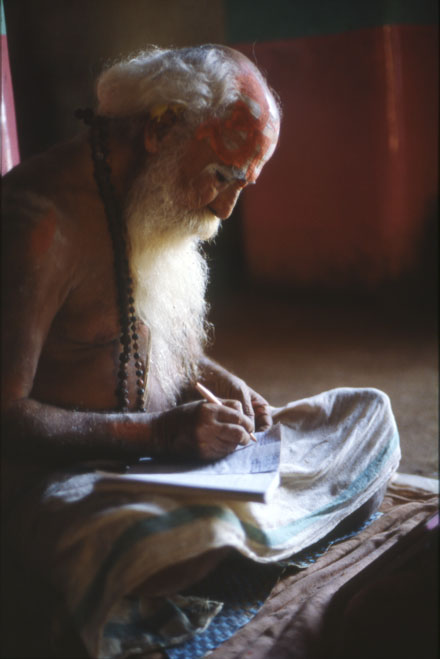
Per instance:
(151,139)
(157,128)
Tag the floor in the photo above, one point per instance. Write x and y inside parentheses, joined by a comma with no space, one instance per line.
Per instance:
(293,345)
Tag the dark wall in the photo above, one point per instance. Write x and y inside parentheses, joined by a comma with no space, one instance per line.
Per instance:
(57,47)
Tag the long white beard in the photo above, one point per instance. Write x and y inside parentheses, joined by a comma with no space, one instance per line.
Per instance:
(170,274)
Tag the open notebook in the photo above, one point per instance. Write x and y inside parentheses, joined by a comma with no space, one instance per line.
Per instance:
(251,472)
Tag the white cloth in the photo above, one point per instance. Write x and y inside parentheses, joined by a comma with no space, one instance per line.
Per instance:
(100,538)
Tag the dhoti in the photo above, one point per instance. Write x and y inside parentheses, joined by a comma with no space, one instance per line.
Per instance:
(99,539)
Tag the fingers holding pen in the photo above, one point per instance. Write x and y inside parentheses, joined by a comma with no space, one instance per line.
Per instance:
(222,442)
(220,429)
(233,402)
(198,430)
(263,416)
(229,413)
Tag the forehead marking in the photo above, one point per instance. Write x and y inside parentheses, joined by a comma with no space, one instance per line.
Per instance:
(239,138)
(253,106)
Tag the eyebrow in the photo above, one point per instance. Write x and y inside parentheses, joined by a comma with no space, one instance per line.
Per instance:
(232,173)
(235,173)
(239,174)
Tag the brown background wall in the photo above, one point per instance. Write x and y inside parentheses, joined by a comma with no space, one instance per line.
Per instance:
(57,47)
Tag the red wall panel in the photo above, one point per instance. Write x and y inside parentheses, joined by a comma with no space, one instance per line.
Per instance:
(347,193)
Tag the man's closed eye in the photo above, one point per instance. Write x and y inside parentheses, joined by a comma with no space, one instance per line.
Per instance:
(221,178)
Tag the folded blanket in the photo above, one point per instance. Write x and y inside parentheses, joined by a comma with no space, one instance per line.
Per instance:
(307,614)
(98,539)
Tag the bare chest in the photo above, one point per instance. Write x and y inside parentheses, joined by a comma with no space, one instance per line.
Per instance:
(80,365)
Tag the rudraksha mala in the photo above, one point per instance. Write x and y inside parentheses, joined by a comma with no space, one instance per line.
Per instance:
(124,282)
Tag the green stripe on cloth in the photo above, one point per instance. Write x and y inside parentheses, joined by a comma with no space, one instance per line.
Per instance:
(139,531)
(269,20)
(282,534)
(185,515)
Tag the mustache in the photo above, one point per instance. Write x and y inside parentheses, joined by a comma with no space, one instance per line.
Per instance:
(209,226)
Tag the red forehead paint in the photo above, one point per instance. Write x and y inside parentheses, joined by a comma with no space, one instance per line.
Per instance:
(241,139)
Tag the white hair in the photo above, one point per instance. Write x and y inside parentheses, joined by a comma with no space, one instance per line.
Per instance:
(201,80)
(170,273)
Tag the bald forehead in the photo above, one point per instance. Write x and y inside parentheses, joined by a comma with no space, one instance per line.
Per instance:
(251,83)
(259,100)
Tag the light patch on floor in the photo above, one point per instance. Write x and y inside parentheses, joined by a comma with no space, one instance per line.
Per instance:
(288,349)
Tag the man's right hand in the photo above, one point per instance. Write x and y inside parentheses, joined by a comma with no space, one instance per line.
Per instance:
(200,430)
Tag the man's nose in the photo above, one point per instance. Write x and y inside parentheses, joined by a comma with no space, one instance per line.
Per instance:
(224,203)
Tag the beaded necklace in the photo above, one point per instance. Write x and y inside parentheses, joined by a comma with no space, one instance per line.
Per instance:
(124,282)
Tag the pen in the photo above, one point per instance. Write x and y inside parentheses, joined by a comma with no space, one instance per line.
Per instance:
(209,396)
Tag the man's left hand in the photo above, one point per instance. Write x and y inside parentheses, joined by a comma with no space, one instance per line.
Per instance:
(224,384)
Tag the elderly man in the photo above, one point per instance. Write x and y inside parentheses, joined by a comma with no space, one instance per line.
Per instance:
(104,288)
(105,329)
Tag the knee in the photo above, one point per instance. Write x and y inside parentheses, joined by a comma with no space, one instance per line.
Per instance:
(361,514)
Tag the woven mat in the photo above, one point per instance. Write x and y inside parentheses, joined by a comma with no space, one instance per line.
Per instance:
(243,586)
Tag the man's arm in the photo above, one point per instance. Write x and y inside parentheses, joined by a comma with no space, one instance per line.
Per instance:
(39,274)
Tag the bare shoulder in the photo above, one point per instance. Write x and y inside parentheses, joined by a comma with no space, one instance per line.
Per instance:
(44,202)
(34,231)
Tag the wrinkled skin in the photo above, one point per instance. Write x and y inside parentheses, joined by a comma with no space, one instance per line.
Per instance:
(226,385)
(205,429)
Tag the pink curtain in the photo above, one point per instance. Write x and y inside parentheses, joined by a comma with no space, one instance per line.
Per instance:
(9,141)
